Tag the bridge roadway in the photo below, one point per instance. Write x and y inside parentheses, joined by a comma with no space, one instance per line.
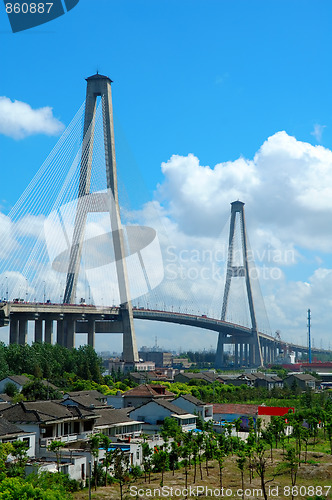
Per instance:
(72,319)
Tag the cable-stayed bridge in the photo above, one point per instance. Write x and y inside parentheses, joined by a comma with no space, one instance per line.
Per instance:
(83,264)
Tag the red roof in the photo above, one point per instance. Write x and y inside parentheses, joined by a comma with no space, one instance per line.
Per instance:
(277,411)
(147,390)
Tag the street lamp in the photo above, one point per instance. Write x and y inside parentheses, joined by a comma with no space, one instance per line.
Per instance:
(7,288)
(44,292)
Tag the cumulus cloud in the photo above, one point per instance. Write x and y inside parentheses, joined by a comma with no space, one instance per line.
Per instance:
(19,120)
(287,190)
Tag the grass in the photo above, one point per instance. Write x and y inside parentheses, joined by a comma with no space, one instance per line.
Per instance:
(314,475)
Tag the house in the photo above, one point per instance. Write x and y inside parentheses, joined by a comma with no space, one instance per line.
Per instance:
(266,412)
(51,420)
(116,424)
(193,405)
(267,381)
(302,380)
(153,414)
(223,413)
(139,395)
(187,377)
(10,432)
(19,382)
(85,399)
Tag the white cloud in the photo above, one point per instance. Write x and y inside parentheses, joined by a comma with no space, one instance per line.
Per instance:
(286,188)
(18,120)
(318,132)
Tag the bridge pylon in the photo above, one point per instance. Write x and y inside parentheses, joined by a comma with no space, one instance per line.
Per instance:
(100,86)
(252,343)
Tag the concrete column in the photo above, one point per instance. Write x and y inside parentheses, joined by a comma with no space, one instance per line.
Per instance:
(23,331)
(91,332)
(274,351)
(251,355)
(246,355)
(236,354)
(49,331)
(13,331)
(264,346)
(38,330)
(241,354)
(220,359)
(70,332)
(59,332)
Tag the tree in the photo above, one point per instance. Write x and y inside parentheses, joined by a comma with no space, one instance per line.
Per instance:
(10,389)
(160,462)
(106,443)
(146,454)
(94,443)
(56,447)
(121,464)
(36,390)
(292,463)
(260,465)
(241,463)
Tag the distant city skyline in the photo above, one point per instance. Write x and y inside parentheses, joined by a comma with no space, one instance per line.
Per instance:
(214,101)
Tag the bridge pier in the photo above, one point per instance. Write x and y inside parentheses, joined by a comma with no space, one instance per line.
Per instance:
(49,331)
(246,361)
(220,355)
(236,354)
(91,332)
(69,332)
(13,330)
(22,331)
(38,330)
(60,332)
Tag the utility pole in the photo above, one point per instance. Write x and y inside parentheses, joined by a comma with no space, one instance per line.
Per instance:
(309,335)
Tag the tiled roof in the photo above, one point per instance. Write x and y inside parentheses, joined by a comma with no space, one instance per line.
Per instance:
(169,406)
(7,428)
(93,393)
(191,399)
(240,409)
(303,376)
(43,411)
(5,398)
(85,401)
(209,377)
(109,416)
(147,390)
(19,379)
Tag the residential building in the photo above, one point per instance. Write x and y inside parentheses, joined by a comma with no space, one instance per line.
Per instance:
(10,432)
(153,414)
(139,395)
(51,420)
(19,382)
(193,405)
(302,380)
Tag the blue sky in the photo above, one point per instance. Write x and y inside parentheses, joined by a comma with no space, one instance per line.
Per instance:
(211,78)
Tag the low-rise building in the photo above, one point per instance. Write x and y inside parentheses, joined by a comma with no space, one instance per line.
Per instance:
(19,382)
(10,432)
(139,395)
(193,405)
(302,380)
(153,414)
